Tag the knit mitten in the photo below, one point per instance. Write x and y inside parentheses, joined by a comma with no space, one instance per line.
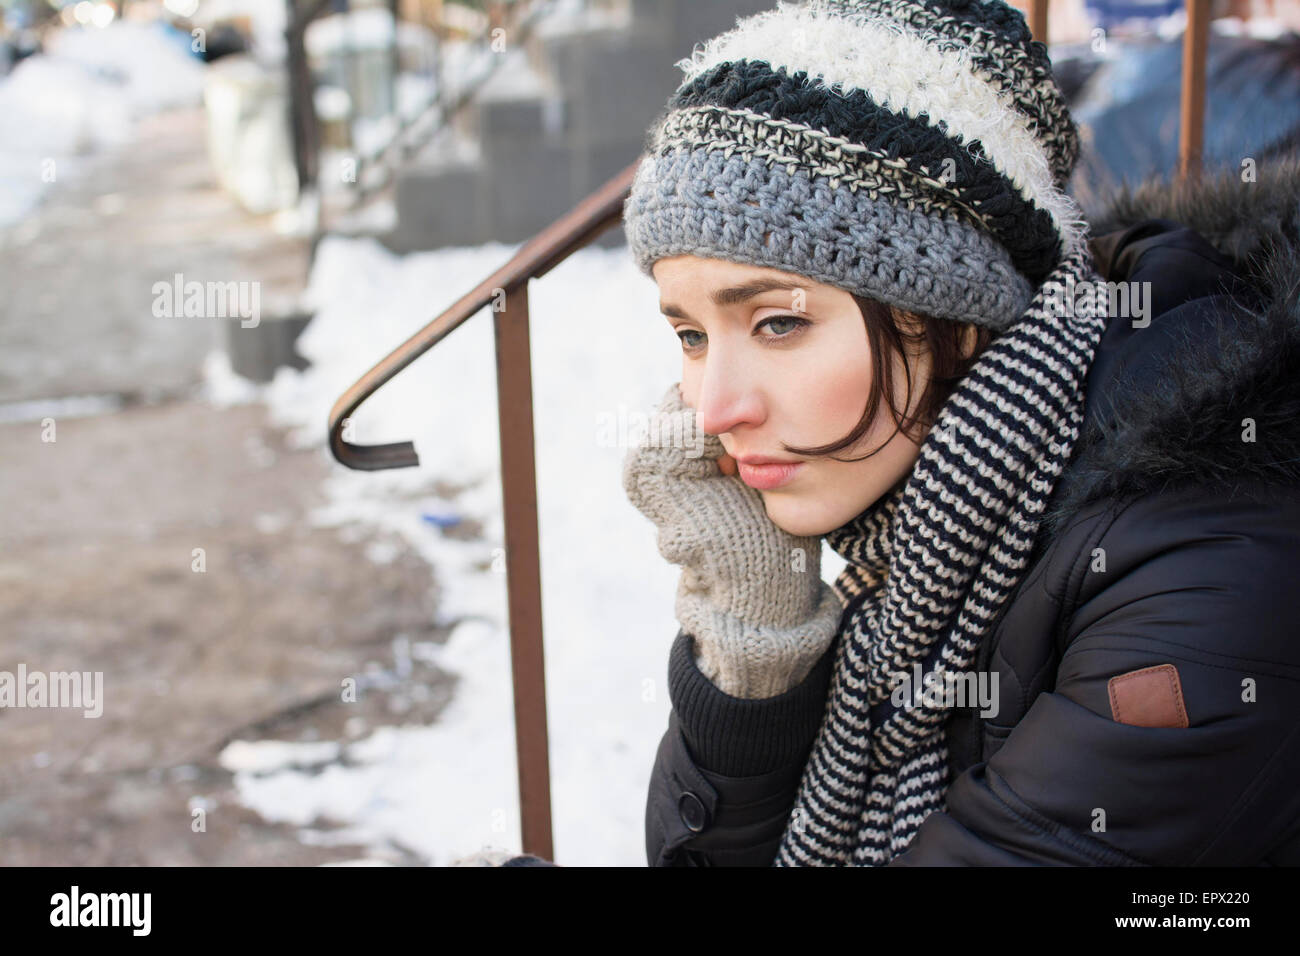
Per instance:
(750,594)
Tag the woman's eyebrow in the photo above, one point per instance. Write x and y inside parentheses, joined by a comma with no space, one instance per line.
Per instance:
(736,294)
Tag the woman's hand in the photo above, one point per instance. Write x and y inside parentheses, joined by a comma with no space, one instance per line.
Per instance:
(750,594)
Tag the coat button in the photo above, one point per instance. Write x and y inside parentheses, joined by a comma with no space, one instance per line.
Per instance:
(693,812)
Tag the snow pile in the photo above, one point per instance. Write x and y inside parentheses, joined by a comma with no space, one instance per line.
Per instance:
(601,354)
(148,63)
(80,96)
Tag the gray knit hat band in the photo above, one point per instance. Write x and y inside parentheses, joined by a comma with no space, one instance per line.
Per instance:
(734,207)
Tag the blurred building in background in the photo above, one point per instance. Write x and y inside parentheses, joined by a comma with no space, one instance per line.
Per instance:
(452,122)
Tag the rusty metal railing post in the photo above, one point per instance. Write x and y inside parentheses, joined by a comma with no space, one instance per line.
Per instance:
(523,568)
(1191,131)
(1038,19)
(550,247)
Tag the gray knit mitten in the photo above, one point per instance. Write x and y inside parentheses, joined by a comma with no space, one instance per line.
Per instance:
(750,594)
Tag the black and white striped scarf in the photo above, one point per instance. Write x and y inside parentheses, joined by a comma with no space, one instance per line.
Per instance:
(930,566)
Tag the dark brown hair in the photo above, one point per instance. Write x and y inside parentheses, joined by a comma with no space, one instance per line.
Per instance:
(890,331)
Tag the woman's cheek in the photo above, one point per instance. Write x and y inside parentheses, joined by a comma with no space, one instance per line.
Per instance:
(837,392)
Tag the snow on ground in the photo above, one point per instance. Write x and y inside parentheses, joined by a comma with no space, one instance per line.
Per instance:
(80,96)
(601,355)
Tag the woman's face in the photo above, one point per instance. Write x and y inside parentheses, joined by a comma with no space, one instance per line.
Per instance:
(772,358)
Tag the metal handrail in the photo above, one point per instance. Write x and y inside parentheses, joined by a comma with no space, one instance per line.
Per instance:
(1191,129)
(538,256)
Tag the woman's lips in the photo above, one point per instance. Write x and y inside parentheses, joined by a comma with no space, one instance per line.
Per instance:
(767,477)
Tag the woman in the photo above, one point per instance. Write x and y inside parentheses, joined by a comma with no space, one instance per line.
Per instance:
(1065,631)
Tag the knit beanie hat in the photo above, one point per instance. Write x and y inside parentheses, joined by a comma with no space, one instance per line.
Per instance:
(911,151)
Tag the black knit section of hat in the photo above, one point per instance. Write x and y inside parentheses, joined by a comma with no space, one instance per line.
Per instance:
(994,15)
(999,42)
(1025,230)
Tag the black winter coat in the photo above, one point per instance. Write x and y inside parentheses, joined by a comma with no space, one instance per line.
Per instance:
(1149,663)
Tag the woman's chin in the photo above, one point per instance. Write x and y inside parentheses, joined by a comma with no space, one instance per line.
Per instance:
(795,517)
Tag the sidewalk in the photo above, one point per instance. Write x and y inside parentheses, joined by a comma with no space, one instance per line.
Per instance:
(98,546)
(76,317)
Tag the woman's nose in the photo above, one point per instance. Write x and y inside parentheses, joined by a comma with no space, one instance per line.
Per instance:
(726,399)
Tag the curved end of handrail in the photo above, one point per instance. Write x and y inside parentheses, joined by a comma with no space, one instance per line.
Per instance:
(376,457)
(367,457)
(588,219)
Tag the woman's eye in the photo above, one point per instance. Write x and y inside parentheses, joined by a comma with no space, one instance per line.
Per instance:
(790,323)
(784,328)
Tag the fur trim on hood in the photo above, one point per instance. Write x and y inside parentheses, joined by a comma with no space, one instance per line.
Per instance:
(1174,414)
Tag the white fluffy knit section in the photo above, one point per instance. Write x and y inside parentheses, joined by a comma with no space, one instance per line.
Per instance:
(902,72)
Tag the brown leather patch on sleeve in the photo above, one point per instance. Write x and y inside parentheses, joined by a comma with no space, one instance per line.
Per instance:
(1150,697)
